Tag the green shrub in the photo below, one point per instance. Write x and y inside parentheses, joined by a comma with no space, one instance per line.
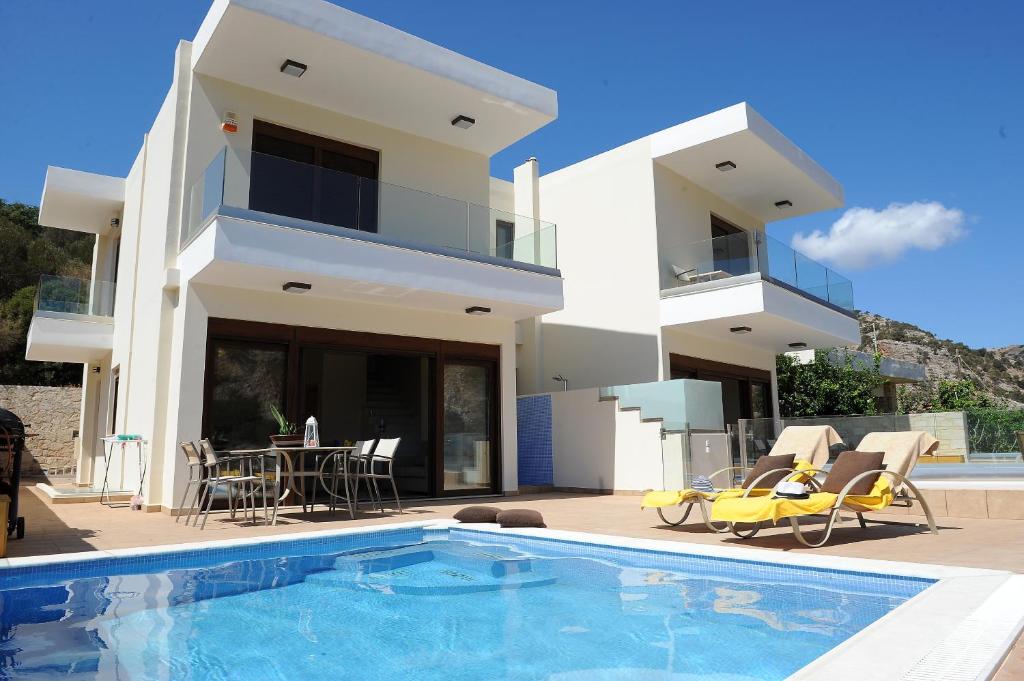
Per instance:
(990,429)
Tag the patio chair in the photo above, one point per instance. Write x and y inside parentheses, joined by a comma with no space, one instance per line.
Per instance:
(859,481)
(337,463)
(196,470)
(808,445)
(379,465)
(240,484)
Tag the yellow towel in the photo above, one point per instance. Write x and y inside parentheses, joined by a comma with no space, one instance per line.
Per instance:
(757,509)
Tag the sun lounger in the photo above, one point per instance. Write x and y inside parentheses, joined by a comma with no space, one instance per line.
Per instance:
(809,446)
(899,453)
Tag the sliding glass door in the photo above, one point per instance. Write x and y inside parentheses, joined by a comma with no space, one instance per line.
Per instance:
(439,397)
(247,379)
(469,426)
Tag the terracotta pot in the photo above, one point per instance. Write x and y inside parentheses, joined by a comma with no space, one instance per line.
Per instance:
(293,440)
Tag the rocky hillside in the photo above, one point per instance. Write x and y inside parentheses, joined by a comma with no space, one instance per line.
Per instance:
(998,372)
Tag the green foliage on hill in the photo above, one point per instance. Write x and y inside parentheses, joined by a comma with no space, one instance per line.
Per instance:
(824,388)
(26,252)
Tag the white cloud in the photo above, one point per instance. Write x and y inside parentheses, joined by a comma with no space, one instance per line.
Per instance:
(864,237)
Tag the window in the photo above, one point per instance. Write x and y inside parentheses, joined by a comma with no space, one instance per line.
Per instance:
(313,178)
(247,379)
(504,236)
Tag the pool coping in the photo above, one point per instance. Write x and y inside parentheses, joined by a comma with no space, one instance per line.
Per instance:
(961,627)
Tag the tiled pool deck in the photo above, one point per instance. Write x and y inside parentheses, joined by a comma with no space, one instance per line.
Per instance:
(966,542)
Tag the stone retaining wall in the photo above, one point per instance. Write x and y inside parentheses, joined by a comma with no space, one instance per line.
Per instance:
(949,427)
(52,412)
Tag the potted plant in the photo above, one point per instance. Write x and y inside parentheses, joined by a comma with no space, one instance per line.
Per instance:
(287,434)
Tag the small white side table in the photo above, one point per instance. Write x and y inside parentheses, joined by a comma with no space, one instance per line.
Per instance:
(110,445)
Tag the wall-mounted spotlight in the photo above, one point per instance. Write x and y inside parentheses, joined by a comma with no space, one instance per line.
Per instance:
(798,345)
(296,287)
(478,309)
(785,203)
(293,68)
(464,122)
(740,329)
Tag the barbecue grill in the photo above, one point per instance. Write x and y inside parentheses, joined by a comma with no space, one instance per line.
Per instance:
(12,445)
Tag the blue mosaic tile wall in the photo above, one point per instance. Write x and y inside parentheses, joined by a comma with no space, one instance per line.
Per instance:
(534,433)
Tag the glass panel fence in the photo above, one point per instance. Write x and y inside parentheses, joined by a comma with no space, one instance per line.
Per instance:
(748,252)
(75,296)
(661,399)
(963,439)
(329,198)
(204,197)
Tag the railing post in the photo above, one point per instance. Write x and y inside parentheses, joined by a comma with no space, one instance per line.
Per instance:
(359,203)
(753,247)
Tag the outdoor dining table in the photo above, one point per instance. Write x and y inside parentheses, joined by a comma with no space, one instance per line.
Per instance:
(285,459)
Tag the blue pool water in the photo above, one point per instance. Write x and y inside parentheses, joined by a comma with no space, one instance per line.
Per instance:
(430,604)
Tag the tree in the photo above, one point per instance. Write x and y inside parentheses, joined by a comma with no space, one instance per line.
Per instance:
(827,387)
(30,251)
(947,395)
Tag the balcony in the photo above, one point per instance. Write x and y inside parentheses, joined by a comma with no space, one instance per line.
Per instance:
(356,238)
(757,290)
(73,320)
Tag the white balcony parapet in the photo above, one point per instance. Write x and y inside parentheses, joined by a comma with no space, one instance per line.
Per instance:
(73,320)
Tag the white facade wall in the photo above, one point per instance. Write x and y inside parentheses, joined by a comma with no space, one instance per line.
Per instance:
(623,220)
(684,220)
(609,331)
(597,447)
(405,160)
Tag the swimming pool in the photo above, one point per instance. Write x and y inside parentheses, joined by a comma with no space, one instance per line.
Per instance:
(431,603)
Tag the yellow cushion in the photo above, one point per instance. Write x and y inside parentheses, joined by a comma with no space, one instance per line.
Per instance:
(761,508)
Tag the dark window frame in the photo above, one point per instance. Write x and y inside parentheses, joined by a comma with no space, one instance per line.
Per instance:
(298,337)
(366,166)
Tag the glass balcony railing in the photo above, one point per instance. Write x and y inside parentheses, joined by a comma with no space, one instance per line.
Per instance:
(75,296)
(326,200)
(749,252)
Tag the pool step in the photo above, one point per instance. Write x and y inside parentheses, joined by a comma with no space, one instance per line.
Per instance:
(438,570)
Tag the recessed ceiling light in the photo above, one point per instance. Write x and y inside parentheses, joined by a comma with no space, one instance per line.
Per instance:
(740,329)
(464,122)
(798,345)
(785,203)
(296,287)
(726,166)
(478,309)
(293,68)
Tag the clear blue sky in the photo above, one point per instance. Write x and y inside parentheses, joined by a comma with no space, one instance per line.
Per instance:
(901,102)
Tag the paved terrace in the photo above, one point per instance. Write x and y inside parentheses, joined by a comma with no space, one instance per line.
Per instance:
(967,542)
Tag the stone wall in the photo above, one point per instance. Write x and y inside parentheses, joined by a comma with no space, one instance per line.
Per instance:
(52,412)
(949,427)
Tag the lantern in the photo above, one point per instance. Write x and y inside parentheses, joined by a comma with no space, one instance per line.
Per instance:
(312,437)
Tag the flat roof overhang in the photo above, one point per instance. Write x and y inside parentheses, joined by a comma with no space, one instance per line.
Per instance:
(80,201)
(63,337)
(775,315)
(768,167)
(260,256)
(369,70)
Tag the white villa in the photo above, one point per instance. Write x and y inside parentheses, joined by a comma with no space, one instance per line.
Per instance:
(311,224)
